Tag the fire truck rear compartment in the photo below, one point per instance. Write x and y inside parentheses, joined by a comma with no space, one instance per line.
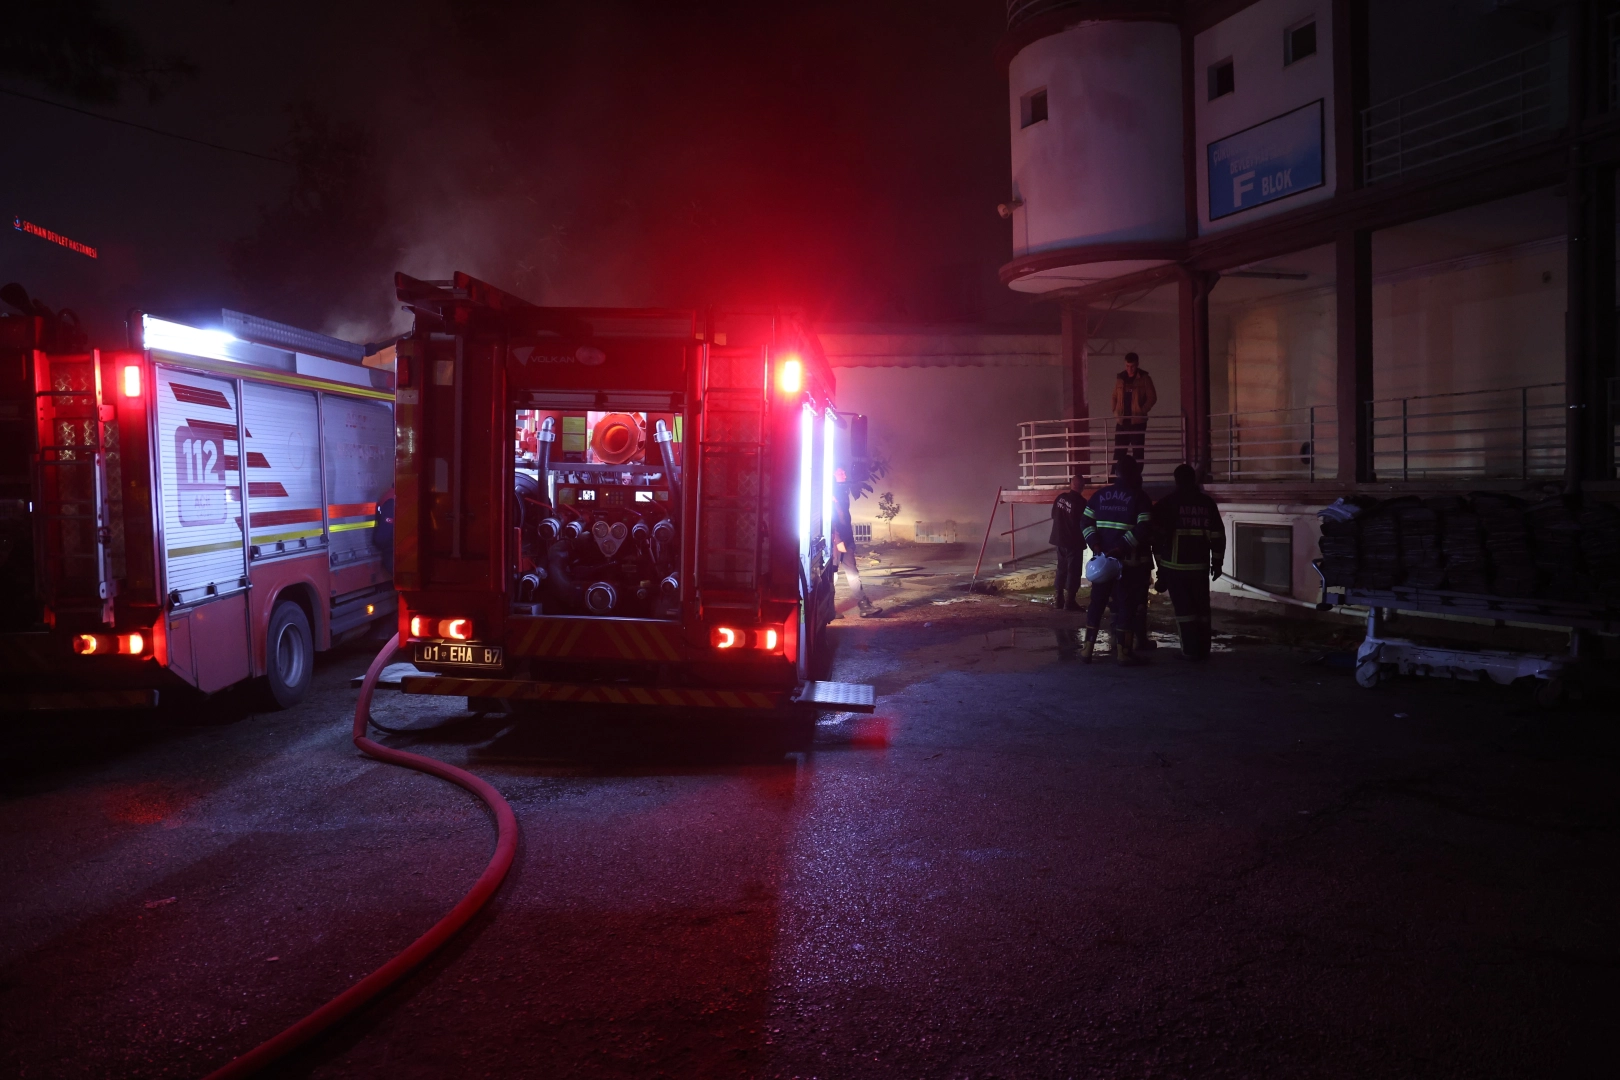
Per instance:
(595,504)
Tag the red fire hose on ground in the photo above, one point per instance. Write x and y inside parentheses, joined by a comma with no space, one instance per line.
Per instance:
(420,949)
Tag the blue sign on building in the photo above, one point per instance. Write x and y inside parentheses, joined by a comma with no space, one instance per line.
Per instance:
(1267,162)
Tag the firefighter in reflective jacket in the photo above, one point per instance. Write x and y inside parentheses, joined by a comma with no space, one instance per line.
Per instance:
(1069,540)
(1190,542)
(1117,520)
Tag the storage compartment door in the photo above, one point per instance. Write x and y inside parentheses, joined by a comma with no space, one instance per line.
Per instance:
(359,471)
(283,471)
(201,484)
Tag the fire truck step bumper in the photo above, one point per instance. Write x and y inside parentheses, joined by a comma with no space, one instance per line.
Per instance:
(840,696)
(86,699)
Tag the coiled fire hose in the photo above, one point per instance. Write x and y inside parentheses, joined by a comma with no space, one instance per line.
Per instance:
(419,950)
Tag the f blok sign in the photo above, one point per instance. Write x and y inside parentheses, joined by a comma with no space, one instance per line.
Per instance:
(1267,162)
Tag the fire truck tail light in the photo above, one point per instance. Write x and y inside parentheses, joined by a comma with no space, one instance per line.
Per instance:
(728,638)
(133,644)
(456,629)
(132,380)
(790,376)
(86,644)
(416,626)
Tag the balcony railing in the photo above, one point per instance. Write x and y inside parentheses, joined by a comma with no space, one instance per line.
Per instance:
(1281,444)
(1051,451)
(1514,96)
(1513,434)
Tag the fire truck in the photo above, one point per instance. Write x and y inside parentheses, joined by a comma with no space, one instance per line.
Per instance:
(614,506)
(195,510)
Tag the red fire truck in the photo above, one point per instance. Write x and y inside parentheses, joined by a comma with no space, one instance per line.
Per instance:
(199,509)
(615,506)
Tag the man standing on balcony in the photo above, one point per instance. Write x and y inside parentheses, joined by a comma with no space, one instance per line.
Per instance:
(1134,398)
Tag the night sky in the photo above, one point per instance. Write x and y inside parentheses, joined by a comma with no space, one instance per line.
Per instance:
(844,157)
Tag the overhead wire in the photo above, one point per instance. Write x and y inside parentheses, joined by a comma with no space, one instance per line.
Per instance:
(146,127)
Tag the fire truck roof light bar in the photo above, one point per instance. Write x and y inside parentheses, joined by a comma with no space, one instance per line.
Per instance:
(190,340)
(269,332)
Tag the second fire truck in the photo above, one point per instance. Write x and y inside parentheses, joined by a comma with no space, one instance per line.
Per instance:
(196,510)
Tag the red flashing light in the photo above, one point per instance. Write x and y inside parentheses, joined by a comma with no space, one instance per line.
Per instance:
(132,380)
(764,639)
(790,376)
(453,629)
(86,644)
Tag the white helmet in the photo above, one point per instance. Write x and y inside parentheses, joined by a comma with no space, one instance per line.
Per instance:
(1101,569)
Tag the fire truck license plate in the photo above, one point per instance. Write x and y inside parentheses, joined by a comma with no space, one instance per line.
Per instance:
(443,652)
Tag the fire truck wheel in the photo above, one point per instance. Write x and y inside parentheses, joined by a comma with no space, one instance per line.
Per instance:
(289,653)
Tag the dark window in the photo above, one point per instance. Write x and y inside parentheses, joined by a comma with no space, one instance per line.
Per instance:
(1299,42)
(1265,557)
(1033,107)
(1221,79)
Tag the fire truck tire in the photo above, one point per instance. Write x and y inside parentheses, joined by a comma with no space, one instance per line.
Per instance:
(289,655)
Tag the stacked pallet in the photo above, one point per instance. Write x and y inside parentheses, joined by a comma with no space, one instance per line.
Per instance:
(1507,544)
(1600,550)
(1421,565)
(1486,543)
(1462,545)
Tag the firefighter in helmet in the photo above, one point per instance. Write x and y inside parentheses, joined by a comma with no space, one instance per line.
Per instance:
(1117,519)
(1068,521)
(1191,542)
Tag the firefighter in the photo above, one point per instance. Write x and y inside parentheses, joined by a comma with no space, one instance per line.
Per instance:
(1190,542)
(1117,519)
(843,534)
(1067,522)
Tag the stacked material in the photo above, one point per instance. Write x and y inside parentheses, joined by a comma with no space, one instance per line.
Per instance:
(1340,543)
(1380,566)
(1555,532)
(1600,550)
(1507,543)
(1420,547)
(1462,547)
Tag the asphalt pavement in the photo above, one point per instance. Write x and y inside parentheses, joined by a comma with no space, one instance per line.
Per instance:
(1021,866)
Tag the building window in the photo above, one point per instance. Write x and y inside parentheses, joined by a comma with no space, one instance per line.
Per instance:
(863,532)
(1299,42)
(1265,557)
(1221,79)
(1032,107)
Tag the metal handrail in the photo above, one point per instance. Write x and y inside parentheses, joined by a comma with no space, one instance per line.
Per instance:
(1291,447)
(1435,123)
(1403,442)
(1051,451)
